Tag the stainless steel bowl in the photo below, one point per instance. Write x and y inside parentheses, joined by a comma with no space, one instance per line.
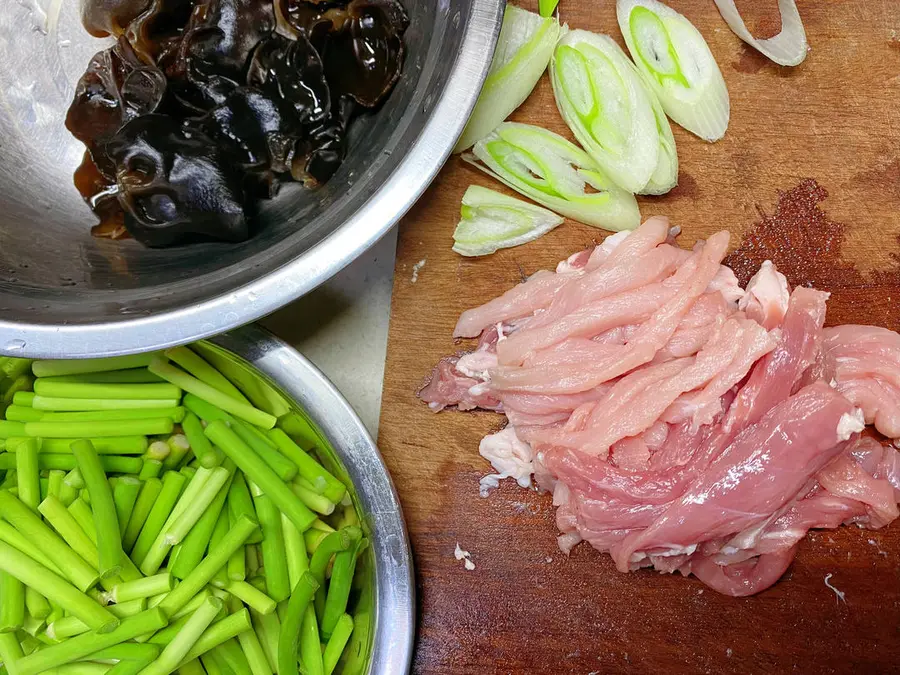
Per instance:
(64,294)
(386,647)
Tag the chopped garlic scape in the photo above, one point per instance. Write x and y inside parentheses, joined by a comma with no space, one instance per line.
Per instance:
(679,67)
(788,48)
(607,105)
(555,173)
(523,51)
(491,221)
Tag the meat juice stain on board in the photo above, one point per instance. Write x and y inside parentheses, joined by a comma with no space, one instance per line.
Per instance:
(808,248)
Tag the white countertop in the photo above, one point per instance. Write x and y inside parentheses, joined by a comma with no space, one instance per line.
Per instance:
(342,327)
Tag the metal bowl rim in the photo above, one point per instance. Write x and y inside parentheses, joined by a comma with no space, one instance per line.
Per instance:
(313,267)
(307,386)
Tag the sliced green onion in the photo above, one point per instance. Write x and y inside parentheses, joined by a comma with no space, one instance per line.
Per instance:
(547,7)
(556,173)
(490,221)
(665,175)
(607,105)
(787,48)
(523,50)
(679,66)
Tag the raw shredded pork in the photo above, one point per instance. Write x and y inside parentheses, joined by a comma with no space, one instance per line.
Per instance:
(680,421)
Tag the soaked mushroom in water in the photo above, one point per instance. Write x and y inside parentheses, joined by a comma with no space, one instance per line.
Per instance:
(203,106)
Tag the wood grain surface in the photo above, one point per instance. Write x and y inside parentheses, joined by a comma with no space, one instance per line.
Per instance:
(527,608)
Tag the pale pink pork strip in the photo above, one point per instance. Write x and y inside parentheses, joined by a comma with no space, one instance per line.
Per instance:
(690,282)
(758,473)
(864,364)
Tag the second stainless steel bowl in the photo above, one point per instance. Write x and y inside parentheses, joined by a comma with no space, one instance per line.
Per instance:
(382,642)
(65,294)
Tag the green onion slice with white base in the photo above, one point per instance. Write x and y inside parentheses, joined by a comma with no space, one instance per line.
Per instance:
(555,173)
(607,105)
(491,221)
(665,175)
(681,70)
(788,48)
(523,51)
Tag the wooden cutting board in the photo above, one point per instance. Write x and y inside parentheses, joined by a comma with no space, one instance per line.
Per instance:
(526,607)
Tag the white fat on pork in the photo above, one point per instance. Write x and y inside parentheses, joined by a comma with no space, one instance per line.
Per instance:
(850,423)
(509,456)
(727,284)
(477,364)
(767,295)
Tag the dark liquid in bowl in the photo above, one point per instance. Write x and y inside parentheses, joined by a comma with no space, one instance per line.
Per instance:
(203,107)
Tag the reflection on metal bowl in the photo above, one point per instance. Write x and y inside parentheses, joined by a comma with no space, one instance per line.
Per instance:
(65,294)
